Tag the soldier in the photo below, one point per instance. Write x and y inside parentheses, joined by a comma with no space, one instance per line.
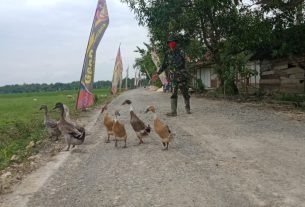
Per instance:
(174,65)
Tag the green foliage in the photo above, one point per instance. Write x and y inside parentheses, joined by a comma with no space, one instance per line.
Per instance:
(259,93)
(289,97)
(283,43)
(231,32)
(286,35)
(15,137)
(157,83)
(32,88)
(231,67)
(200,88)
(145,63)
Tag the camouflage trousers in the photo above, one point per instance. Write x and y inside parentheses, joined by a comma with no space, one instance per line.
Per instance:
(184,88)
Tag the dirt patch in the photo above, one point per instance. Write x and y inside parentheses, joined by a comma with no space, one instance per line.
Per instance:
(289,109)
(224,154)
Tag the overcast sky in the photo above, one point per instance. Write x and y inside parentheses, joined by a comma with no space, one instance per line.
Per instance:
(44,41)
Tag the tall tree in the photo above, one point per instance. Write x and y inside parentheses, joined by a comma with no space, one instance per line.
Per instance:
(227,32)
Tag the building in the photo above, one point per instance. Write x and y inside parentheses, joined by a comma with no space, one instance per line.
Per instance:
(280,75)
(283,75)
(206,74)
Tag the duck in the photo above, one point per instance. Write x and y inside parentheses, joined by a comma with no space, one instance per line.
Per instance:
(108,122)
(50,124)
(73,134)
(119,130)
(161,128)
(67,117)
(67,113)
(137,124)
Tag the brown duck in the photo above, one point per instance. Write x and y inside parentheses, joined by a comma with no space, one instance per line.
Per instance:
(137,124)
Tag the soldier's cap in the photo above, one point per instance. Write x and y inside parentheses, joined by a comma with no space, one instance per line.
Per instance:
(172,38)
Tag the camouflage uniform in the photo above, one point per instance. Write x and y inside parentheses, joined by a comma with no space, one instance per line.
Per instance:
(174,65)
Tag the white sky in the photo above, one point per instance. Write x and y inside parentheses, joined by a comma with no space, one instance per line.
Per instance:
(44,41)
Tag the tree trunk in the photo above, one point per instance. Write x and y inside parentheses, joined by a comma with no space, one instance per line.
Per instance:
(299,14)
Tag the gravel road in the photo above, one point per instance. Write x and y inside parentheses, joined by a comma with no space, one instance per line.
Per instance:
(223,154)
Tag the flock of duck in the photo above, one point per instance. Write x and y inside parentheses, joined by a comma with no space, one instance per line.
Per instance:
(75,134)
(72,132)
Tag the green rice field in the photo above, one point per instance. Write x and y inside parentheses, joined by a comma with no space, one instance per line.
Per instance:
(21,121)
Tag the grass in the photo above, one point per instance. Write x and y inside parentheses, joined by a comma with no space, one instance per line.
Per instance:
(21,121)
(289,97)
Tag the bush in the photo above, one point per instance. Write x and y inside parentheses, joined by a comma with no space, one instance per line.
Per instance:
(229,88)
(259,93)
(157,83)
(200,88)
(16,136)
(289,97)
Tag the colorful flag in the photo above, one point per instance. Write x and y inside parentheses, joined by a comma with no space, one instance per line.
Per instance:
(100,22)
(121,78)
(117,73)
(126,79)
(157,63)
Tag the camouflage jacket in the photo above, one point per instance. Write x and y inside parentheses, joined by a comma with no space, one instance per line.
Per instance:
(174,66)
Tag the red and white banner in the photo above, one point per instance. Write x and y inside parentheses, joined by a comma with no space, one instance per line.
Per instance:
(117,73)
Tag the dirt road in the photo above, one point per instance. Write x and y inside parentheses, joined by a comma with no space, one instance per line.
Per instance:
(224,154)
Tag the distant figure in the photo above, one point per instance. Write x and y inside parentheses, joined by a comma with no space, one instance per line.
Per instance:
(164,87)
(168,87)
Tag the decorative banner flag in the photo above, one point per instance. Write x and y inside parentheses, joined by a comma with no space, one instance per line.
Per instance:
(121,78)
(100,22)
(126,79)
(117,73)
(157,63)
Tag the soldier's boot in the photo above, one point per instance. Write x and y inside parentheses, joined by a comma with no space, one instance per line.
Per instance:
(173,107)
(187,106)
